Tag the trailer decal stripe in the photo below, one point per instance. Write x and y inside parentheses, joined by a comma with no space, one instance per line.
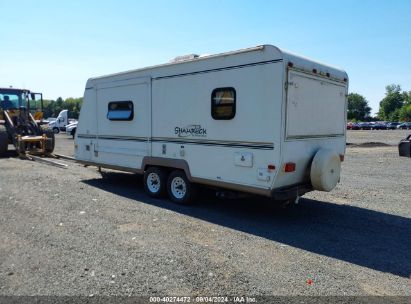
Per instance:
(86,136)
(220,69)
(261,147)
(220,143)
(114,137)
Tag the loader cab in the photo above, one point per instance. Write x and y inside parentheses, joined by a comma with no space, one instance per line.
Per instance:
(12,99)
(16,100)
(35,105)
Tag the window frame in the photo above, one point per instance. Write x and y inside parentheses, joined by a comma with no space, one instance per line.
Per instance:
(130,118)
(234,105)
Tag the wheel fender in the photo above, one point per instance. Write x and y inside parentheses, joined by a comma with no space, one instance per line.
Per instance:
(325,170)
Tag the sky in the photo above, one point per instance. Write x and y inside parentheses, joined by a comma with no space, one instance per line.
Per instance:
(54,46)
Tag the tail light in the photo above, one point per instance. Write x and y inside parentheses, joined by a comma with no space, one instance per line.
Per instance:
(289,167)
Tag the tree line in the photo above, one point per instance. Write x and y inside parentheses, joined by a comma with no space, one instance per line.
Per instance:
(52,108)
(395,106)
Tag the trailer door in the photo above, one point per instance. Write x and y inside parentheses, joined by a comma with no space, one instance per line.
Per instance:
(123,122)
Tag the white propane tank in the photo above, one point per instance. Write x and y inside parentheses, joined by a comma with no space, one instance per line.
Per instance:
(325,170)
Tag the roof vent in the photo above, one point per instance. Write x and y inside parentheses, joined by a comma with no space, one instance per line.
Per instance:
(185,58)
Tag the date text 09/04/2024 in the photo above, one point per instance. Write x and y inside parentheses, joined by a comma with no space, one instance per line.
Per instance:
(205,299)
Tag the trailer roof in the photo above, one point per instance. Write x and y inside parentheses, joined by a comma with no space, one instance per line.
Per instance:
(14,90)
(249,55)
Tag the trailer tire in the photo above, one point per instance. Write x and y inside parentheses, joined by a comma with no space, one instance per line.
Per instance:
(49,134)
(325,170)
(180,189)
(4,141)
(155,182)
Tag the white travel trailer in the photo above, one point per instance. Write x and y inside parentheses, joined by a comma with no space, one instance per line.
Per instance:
(257,120)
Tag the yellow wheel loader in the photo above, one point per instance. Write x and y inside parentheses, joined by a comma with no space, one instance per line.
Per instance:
(22,125)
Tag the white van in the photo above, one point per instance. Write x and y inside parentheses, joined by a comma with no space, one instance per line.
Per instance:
(257,120)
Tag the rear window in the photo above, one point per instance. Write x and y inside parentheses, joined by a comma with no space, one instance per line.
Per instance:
(120,110)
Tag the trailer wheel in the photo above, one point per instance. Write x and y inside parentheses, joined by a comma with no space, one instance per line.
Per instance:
(155,182)
(4,141)
(49,134)
(180,189)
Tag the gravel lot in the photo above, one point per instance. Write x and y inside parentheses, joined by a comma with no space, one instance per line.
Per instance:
(72,232)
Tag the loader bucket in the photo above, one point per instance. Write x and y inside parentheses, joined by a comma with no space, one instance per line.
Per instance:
(34,145)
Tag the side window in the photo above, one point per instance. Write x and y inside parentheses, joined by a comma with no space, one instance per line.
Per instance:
(223,103)
(120,110)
